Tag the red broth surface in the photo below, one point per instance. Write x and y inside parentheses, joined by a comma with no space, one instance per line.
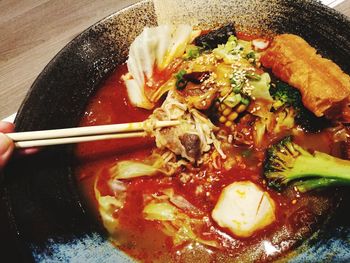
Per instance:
(297,216)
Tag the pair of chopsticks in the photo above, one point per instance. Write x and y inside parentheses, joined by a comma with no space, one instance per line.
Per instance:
(83,134)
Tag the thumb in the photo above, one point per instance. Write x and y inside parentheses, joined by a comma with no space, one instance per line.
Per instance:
(6,149)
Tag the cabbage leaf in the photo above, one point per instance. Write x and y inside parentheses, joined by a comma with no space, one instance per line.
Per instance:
(107,206)
(261,87)
(175,223)
(132,169)
(156,46)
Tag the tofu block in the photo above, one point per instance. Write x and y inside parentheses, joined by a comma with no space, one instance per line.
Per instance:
(244,208)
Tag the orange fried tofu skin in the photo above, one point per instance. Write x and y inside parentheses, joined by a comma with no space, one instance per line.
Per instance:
(325,88)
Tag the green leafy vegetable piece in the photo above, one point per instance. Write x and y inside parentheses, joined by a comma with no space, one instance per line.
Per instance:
(253,76)
(192,52)
(245,101)
(250,55)
(261,86)
(229,52)
(180,81)
(159,211)
(176,223)
(132,169)
(233,100)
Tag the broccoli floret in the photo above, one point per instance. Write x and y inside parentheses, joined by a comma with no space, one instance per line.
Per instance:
(286,161)
(319,183)
(287,96)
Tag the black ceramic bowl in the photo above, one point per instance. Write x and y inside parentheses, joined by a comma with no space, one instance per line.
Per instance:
(47,216)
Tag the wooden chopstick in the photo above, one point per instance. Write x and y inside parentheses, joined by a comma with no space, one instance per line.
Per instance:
(83,134)
(68,140)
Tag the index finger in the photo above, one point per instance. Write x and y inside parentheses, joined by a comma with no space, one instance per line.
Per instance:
(6,127)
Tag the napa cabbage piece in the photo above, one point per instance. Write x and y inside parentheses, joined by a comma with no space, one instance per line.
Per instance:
(223,71)
(261,87)
(179,201)
(156,163)
(108,205)
(175,223)
(132,169)
(160,211)
(191,52)
(168,85)
(154,47)
(234,50)
(229,52)
(232,100)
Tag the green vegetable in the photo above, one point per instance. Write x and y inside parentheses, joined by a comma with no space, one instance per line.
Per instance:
(261,84)
(319,183)
(287,96)
(132,169)
(160,211)
(245,101)
(245,46)
(233,100)
(237,83)
(237,89)
(253,76)
(231,43)
(286,162)
(285,120)
(192,52)
(229,52)
(107,205)
(180,81)
(250,55)
(174,222)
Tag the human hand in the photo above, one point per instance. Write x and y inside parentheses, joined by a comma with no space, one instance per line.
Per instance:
(6,144)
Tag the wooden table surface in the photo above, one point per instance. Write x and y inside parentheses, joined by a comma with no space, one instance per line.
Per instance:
(33,31)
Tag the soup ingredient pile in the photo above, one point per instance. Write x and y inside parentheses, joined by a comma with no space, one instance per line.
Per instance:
(243,132)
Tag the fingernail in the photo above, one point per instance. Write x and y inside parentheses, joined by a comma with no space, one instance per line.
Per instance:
(5,143)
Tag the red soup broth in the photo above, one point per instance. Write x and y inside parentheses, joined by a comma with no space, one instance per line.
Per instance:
(297,216)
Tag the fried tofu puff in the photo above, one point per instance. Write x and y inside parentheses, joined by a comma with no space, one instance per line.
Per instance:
(322,83)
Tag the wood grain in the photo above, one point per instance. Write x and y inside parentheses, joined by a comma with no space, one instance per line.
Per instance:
(344,7)
(33,31)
